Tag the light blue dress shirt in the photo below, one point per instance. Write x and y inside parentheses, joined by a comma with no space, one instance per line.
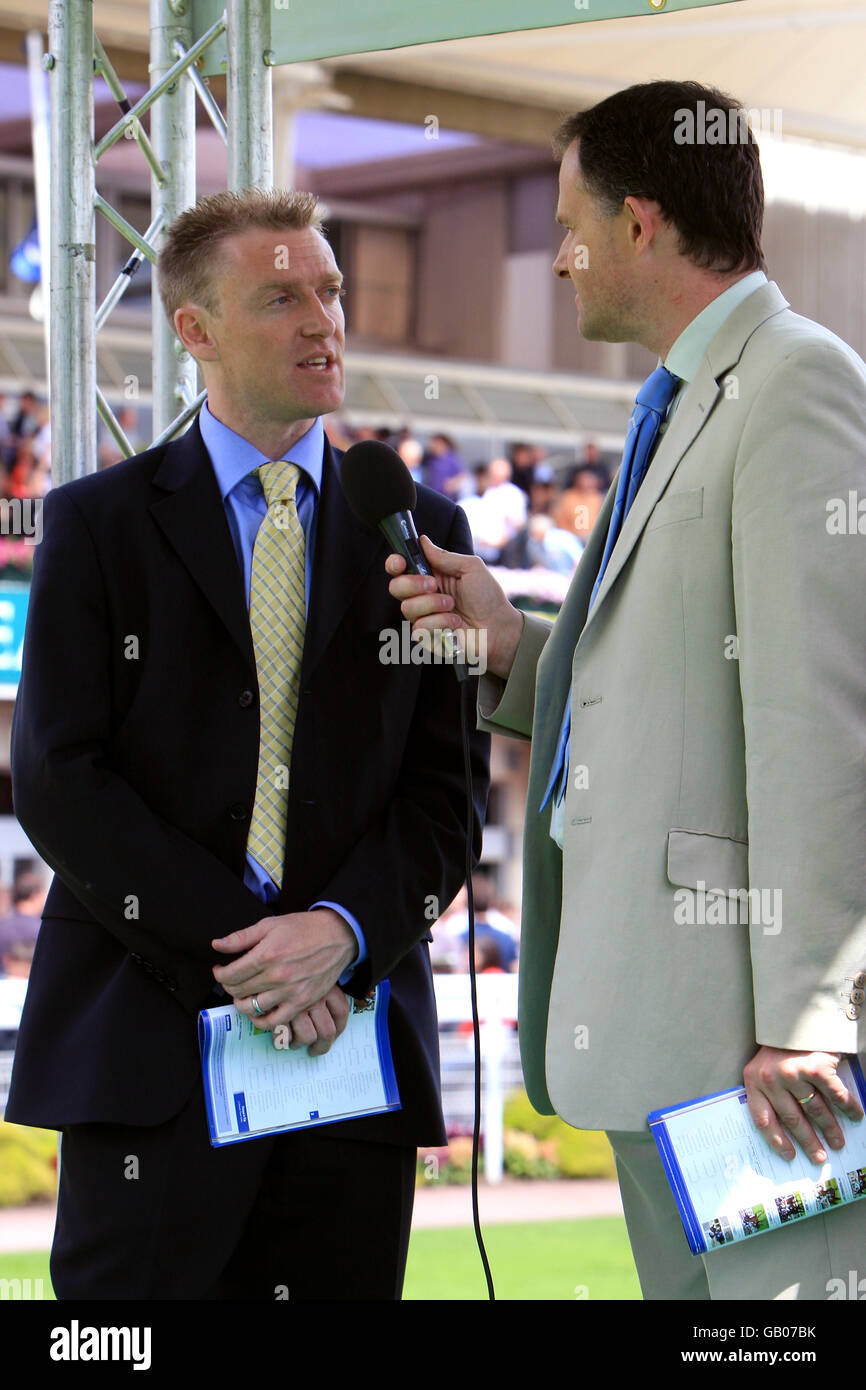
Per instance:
(234,462)
(683,359)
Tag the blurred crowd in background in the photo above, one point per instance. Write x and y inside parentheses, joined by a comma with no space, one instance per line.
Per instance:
(526,511)
(25,446)
(20,915)
(497,931)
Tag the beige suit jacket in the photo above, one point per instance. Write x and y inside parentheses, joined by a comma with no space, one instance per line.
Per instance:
(718,742)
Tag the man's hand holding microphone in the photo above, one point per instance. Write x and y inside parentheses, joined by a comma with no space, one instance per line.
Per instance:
(462,596)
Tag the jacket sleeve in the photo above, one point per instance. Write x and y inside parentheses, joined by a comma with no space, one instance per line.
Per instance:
(162,895)
(508,707)
(406,870)
(799,585)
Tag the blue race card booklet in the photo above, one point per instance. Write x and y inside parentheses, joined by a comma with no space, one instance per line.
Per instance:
(729,1185)
(254,1087)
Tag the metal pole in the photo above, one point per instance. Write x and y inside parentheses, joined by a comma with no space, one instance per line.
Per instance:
(110,421)
(494,1037)
(205,95)
(42,180)
(172,131)
(104,65)
(249,95)
(73,339)
(285,129)
(167,80)
(122,283)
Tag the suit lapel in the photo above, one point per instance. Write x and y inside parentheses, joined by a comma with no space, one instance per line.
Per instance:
(556,663)
(193,520)
(345,551)
(692,414)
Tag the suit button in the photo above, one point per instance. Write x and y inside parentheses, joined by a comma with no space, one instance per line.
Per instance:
(238,812)
(171,985)
(857,996)
(853,1011)
(860,980)
(245,699)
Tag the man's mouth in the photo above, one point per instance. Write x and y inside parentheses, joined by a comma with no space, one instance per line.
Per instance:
(320,362)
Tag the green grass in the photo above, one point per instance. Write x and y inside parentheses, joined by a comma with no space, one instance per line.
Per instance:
(29,1264)
(545,1260)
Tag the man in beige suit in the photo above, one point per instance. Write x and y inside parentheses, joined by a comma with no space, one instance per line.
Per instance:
(716,686)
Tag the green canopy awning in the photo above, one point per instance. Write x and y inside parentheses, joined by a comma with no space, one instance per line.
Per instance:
(305,30)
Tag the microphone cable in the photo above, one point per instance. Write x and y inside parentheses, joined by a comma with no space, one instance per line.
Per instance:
(467,707)
(381,493)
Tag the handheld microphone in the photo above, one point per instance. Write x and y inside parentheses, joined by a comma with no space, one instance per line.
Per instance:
(380,490)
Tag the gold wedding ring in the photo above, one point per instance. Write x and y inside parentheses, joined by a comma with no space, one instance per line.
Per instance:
(804,1100)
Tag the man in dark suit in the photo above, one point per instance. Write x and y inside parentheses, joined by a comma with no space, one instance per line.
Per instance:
(139,773)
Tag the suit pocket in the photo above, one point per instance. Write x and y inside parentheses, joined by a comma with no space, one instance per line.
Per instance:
(714,862)
(677,506)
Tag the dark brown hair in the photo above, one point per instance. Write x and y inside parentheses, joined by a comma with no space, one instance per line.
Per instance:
(636,142)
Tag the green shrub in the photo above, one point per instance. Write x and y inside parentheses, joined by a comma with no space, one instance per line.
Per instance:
(450,1164)
(527,1157)
(576,1153)
(28,1164)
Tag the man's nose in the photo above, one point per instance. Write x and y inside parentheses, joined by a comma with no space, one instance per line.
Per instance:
(560,265)
(320,319)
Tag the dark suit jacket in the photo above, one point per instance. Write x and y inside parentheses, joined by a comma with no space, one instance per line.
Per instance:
(134,759)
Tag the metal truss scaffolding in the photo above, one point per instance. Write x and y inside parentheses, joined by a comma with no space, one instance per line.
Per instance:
(75,58)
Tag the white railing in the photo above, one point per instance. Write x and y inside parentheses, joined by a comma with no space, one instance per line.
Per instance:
(500,1061)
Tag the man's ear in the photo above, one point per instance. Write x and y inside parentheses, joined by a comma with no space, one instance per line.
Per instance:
(645,221)
(192,324)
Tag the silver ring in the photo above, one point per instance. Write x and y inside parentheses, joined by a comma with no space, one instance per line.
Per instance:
(261,1012)
(800,1101)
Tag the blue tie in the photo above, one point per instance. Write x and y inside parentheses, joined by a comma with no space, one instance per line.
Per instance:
(650,408)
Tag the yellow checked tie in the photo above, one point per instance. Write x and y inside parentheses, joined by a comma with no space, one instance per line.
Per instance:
(277,623)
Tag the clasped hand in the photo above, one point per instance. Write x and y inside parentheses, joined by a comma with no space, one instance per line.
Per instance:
(794,1093)
(290,965)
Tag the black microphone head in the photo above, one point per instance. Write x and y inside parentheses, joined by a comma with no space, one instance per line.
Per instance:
(376,482)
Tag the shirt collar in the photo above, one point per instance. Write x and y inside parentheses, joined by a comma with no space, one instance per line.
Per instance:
(691,346)
(234,458)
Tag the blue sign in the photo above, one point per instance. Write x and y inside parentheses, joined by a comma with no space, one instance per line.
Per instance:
(13,615)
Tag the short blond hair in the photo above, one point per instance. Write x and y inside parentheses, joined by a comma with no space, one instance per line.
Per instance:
(186,262)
